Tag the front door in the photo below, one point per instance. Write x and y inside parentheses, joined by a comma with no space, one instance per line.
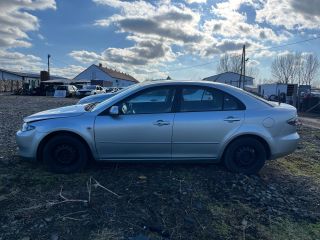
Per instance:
(141,131)
(206,117)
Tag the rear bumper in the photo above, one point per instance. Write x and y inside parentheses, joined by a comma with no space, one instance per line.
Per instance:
(284,145)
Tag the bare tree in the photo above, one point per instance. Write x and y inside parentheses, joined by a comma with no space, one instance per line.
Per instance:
(309,67)
(295,68)
(232,63)
(284,68)
(229,63)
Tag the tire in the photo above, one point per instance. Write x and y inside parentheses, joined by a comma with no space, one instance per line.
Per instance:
(245,155)
(65,154)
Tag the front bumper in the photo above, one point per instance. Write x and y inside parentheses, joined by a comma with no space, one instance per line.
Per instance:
(27,144)
(285,145)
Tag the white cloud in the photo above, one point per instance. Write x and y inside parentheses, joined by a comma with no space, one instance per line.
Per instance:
(291,14)
(196,1)
(86,56)
(69,71)
(16,21)
(162,31)
(230,22)
(40,36)
(16,61)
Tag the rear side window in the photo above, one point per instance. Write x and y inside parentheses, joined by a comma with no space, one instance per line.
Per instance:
(194,99)
(201,99)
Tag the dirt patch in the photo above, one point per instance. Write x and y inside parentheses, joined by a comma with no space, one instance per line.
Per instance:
(156,201)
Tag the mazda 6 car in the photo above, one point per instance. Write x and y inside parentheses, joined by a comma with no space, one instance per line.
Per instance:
(163,121)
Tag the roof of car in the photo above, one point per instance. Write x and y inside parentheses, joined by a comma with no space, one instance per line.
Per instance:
(196,82)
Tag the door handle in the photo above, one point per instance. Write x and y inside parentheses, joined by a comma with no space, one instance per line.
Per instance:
(161,123)
(231,119)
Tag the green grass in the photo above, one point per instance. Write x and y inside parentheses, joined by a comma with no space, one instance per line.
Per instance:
(283,229)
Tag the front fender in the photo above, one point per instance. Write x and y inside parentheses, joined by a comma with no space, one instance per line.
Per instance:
(81,127)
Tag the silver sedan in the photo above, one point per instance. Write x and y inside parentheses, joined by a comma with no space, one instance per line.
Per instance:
(163,120)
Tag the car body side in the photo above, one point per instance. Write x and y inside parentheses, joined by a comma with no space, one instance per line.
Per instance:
(255,123)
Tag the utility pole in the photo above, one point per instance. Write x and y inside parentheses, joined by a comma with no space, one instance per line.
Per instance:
(49,64)
(242,78)
(244,65)
(241,66)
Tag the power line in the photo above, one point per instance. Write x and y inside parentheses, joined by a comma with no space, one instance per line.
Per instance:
(285,45)
(216,61)
(256,50)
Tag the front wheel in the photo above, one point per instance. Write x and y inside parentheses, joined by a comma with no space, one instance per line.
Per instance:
(64,154)
(245,155)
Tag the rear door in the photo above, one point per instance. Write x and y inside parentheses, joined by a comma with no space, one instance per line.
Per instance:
(205,118)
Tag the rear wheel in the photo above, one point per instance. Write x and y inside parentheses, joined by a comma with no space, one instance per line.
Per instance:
(245,155)
(65,154)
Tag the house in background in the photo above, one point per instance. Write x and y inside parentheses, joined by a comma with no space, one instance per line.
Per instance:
(231,78)
(12,80)
(106,77)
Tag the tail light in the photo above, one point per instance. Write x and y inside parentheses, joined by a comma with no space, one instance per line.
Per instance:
(294,122)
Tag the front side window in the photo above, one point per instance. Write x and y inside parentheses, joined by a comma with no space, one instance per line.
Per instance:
(156,100)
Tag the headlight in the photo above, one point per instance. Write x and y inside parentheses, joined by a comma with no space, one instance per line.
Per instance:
(27,127)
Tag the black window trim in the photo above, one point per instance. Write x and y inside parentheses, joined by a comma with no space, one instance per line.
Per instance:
(176,104)
(173,106)
(179,99)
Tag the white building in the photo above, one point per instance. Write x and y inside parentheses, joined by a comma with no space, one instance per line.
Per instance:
(105,77)
(231,78)
(10,80)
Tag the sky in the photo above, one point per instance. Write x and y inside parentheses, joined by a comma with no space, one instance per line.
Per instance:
(153,39)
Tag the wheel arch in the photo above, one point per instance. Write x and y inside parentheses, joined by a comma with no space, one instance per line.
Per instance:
(255,136)
(62,132)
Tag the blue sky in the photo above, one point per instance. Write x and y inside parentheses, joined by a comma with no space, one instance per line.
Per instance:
(149,39)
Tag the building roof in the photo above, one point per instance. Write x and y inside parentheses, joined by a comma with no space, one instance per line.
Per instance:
(118,75)
(218,76)
(30,75)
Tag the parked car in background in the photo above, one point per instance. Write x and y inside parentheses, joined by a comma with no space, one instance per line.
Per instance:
(96,98)
(70,90)
(100,97)
(89,90)
(112,89)
(176,120)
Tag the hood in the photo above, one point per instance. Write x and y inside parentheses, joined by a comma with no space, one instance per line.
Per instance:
(63,112)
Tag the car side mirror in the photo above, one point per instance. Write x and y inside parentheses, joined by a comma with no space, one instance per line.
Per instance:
(114,110)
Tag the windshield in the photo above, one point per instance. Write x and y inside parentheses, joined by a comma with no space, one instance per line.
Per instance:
(119,94)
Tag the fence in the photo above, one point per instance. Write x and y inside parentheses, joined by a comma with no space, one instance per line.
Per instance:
(10,85)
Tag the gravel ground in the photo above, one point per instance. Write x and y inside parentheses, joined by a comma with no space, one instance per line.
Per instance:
(154,201)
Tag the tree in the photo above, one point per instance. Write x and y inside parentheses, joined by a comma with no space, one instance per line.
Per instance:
(232,63)
(229,63)
(284,68)
(295,68)
(310,67)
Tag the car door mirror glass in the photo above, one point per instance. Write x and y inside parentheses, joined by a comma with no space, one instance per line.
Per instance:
(114,110)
